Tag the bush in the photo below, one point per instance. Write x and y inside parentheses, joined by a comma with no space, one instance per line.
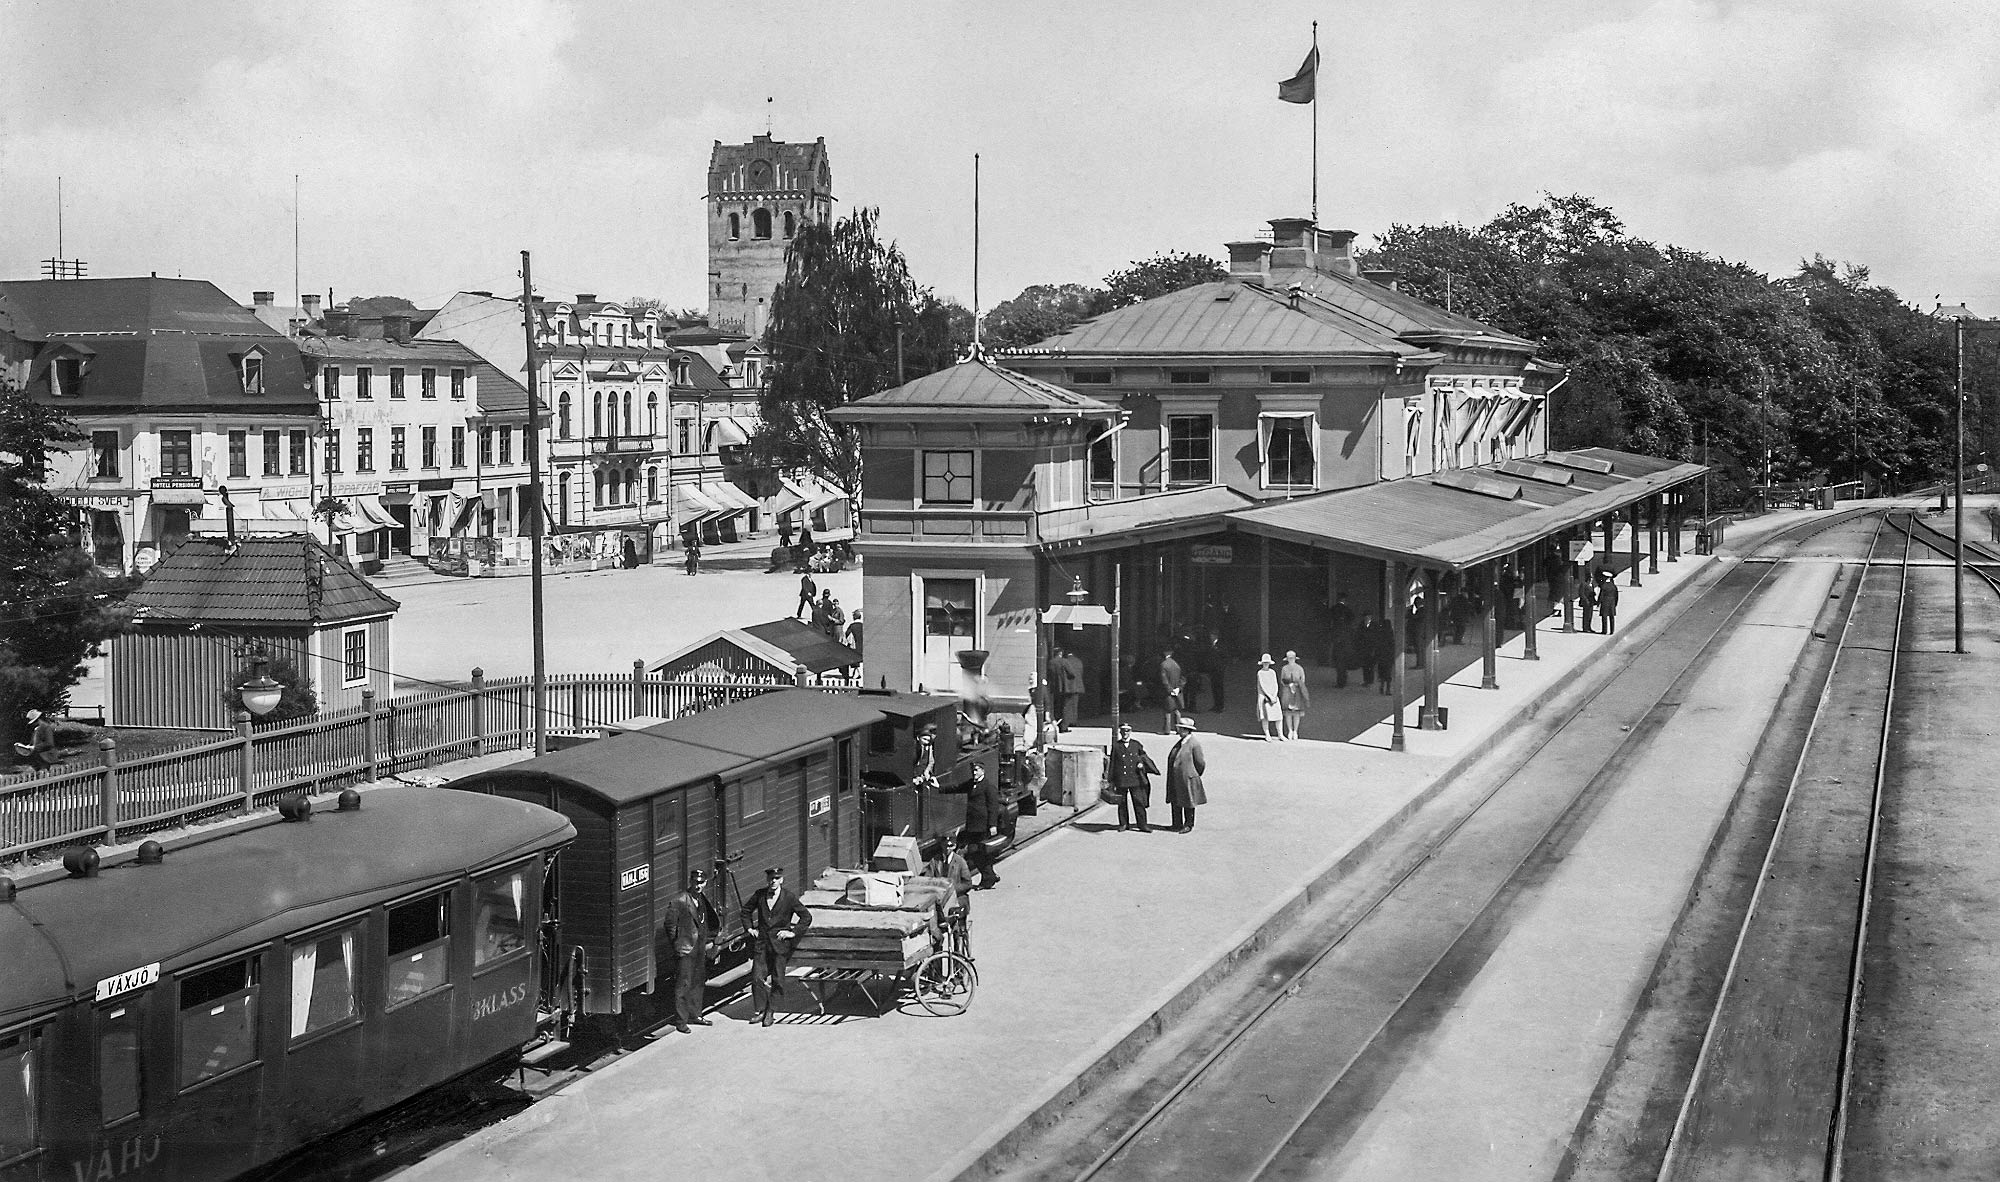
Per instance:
(300,700)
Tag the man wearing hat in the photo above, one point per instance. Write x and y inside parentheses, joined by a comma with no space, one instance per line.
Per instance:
(42,750)
(1131,773)
(1185,765)
(690,928)
(773,918)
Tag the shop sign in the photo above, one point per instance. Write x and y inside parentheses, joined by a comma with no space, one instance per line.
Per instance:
(356,488)
(176,482)
(1210,555)
(96,500)
(286,492)
(1580,551)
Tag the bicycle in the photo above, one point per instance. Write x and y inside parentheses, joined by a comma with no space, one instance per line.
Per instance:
(944,982)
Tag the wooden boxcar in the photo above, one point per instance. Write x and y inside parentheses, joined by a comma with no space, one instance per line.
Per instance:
(264,984)
(773,780)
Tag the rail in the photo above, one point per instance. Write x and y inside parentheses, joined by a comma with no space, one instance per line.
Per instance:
(114,799)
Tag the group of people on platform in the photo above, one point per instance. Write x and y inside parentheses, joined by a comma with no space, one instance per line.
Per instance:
(1130,771)
(773,919)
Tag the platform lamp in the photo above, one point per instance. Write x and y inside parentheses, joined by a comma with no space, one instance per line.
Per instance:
(261,694)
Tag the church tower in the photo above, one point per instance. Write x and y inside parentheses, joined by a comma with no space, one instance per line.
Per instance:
(759,195)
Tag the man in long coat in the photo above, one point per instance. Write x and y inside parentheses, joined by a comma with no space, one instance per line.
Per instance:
(1066,679)
(1131,773)
(1185,765)
(982,817)
(773,918)
(1173,690)
(690,928)
(1341,639)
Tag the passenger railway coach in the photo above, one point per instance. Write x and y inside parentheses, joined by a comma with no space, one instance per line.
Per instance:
(213,1004)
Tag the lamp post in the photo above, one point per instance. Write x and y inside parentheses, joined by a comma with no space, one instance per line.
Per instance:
(260,694)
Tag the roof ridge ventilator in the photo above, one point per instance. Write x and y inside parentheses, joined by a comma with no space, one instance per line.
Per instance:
(1565,459)
(1473,482)
(1530,470)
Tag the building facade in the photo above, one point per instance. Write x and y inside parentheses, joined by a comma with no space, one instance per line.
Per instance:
(759,195)
(193,410)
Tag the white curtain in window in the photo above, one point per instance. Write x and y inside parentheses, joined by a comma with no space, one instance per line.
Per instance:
(305,959)
(1413,431)
(1307,422)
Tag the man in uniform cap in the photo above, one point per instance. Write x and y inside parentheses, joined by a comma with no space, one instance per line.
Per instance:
(773,918)
(690,928)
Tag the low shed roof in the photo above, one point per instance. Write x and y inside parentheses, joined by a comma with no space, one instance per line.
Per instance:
(261,580)
(729,739)
(783,644)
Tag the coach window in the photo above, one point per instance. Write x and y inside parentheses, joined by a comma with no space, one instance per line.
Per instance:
(118,1060)
(218,1020)
(751,796)
(322,982)
(20,1080)
(499,922)
(419,947)
(666,820)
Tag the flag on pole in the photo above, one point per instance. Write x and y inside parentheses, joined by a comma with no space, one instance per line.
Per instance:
(1300,87)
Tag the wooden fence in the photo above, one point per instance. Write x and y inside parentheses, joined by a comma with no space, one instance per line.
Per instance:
(116,801)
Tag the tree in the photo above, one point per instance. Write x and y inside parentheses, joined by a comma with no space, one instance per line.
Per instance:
(654,305)
(58,607)
(832,336)
(1169,271)
(377,305)
(1040,312)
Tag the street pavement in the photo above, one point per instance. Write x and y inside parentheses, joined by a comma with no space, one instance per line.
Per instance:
(1090,938)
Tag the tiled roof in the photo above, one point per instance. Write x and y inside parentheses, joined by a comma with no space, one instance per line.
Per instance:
(69,306)
(1229,318)
(264,580)
(976,386)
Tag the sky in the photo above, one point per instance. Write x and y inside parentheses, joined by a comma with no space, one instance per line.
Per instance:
(433,142)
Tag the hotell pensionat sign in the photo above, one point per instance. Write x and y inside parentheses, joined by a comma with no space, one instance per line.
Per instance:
(1239,455)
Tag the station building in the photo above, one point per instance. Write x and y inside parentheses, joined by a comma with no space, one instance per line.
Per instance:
(1231,458)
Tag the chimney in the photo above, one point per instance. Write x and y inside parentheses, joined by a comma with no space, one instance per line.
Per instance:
(311,303)
(1384,277)
(1336,252)
(1291,245)
(264,299)
(586,297)
(1249,260)
(396,327)
(340,322)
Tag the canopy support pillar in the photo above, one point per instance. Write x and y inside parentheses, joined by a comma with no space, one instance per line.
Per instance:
(1635,543)
(1489,639)
(1427,717)
(1399,610)
(1531,611)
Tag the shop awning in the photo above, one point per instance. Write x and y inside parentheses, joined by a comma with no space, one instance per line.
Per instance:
(696,505)
(795,496)
(1459,519)
(288,509)
(366,513)
(727,432)
(824,494)
(730,497)
(468,513)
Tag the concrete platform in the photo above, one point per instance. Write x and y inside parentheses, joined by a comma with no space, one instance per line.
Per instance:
(1092,941)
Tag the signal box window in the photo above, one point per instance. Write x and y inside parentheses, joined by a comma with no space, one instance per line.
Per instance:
(419,947)
(218,1020)
(118,1062)
(499,920)
(947,478)
(20,1079)
(1190,449)
(322,982)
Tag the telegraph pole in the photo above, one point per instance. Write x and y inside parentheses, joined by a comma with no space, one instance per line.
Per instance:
(533,446)
(1958,496)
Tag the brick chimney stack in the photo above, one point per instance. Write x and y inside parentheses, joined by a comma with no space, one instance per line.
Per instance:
(264,299)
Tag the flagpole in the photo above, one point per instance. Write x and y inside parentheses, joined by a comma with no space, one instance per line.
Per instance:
(1315,180)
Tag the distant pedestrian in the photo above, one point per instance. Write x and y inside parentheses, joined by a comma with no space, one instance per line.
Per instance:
(836,620)
(1607,603)
(1173,690)
(785,532)
(1269,712)
(1382,651)
(1066,679)
(1293,696)
(1185,766)
(808,596)
(1213,661)
(773,919)
(821,611)
(806,539)
(1131,773)
(1340,639)
(690,930)
(1586,598)
(691,556)
(853,639)
(1510,586)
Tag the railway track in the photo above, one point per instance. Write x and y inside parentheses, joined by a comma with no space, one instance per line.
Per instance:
(1253,1106)
(1771,1086)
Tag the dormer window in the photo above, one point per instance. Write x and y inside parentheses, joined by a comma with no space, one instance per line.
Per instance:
(252,368)
(66,377)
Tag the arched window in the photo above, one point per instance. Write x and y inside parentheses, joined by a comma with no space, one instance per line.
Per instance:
(760,223)
(562,415)
(735,227)
(652,413)
(789,224)
(628,413)
(652,485)
(597,415)
(562,498)
(597,487)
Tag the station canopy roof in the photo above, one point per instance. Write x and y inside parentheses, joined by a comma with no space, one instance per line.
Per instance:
(1458,519)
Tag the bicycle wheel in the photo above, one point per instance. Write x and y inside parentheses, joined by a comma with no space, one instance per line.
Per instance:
(944,983)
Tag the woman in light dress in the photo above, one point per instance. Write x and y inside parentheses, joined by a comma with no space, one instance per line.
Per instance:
(1269,713)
